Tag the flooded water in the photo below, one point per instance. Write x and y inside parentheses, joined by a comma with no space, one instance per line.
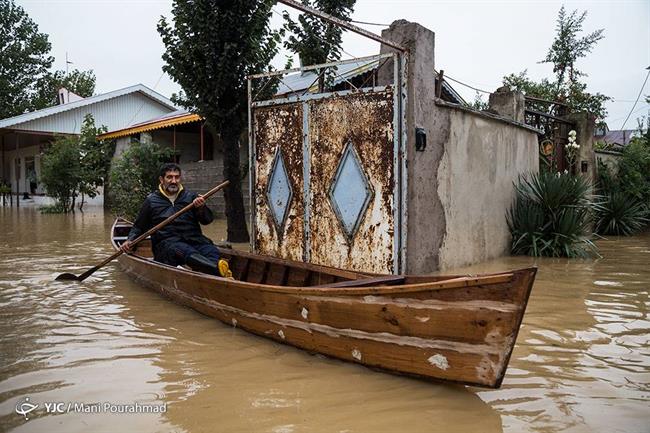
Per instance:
(581,364)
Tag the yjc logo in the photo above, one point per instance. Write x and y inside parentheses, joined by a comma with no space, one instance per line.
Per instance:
(24,407)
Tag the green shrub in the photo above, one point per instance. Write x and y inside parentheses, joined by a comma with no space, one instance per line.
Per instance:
(619,214)
(61,172)
(551,216)
(634,170)
(52,208)
(73,166)
(134,175)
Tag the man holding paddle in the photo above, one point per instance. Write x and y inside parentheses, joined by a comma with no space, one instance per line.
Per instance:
(181,242)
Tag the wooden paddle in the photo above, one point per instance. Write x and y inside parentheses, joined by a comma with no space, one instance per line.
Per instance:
(68,276)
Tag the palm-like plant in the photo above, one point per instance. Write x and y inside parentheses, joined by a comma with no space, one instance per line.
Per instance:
(551,216)
(620,214)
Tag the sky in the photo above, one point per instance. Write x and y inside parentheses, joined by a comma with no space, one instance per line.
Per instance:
(477,42)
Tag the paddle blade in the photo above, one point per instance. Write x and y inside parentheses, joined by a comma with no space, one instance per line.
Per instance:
(66,276)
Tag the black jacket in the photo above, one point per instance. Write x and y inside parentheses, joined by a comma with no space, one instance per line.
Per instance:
(157,207)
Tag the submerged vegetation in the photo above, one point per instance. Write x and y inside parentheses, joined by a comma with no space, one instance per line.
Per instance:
(624,208)
(551,216)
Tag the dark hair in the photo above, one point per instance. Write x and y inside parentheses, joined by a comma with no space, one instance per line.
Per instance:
(170,166)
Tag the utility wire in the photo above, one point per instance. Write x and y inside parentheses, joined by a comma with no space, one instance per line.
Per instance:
(370,24)
(466,85)
(637,98)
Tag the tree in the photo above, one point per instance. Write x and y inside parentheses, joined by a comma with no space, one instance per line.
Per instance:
(134,175)
(317,41)
(79,82)
(73,166)
(94,159)
(210,49)
(567,48)
(61,171)
(24,59)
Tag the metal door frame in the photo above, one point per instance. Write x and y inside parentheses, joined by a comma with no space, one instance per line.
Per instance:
(400,188)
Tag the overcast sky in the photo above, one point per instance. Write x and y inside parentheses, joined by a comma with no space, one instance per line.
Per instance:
(477,42)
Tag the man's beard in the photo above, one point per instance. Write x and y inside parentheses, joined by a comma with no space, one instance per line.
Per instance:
(171,188)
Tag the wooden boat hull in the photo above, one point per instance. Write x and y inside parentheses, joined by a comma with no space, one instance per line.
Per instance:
(459,329)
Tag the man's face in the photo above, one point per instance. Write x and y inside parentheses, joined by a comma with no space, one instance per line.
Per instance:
(171,181)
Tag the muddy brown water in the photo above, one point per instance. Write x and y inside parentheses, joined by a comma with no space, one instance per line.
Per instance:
(581,364)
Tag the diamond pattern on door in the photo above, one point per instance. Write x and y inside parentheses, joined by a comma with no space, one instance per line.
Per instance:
(350,192)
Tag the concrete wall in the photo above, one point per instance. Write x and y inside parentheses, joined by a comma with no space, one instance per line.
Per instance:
(610,159)
(461,186)
(480,162)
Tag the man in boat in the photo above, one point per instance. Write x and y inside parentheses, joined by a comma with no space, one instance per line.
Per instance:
(180,242)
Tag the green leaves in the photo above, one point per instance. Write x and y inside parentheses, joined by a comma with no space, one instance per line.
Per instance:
(566,49)
(134,175)
(624,208)
(24,59)
(25,81)
(551,216)
(620,214)
(210,49)
(314,40)
(76,165)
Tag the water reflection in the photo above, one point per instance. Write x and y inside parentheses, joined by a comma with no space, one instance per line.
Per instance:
(582,362)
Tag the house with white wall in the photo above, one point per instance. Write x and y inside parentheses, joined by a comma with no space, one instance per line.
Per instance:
(23,138)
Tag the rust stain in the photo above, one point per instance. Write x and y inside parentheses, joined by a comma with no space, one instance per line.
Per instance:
(279,127)
(366,120)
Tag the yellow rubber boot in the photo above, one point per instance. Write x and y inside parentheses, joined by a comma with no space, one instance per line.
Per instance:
(224,269)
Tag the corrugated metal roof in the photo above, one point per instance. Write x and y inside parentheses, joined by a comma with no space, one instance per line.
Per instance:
(177,117)
(299,82)
(50,111)
(620,137)
(302,80)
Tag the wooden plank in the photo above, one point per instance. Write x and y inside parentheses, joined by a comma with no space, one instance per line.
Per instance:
(351,275)
(277,274)
(297,277)
(239,267)
(365,282)
(256,271)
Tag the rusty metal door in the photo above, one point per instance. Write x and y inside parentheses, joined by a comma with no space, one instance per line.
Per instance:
(326,176)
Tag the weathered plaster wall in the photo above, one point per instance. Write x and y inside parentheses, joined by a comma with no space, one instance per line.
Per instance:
(610,159)
(481,160)
(585,126)
(425,215)
(461,186)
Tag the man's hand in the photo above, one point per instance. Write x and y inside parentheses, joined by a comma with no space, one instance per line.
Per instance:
(127,246)
(199,201)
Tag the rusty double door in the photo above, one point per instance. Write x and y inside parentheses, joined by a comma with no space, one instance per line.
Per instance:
(325,176)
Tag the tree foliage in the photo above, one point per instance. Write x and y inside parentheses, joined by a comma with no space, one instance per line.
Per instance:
(79,82)
(314,40)
(24,59)
(74,166)
(210,49)
(61,172)
(26,83)
(134,175)
(567,48)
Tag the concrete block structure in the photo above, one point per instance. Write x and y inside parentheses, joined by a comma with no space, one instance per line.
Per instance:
(460,185)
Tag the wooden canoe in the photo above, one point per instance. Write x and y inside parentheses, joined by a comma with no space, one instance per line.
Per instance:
(451,328)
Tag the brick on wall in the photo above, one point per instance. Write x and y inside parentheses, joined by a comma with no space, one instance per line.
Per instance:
(202,176)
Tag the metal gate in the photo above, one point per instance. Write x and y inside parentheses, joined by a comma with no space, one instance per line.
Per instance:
(326,168)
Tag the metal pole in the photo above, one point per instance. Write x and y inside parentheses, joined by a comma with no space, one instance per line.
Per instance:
(341,23)
(17,172)
(202,141)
